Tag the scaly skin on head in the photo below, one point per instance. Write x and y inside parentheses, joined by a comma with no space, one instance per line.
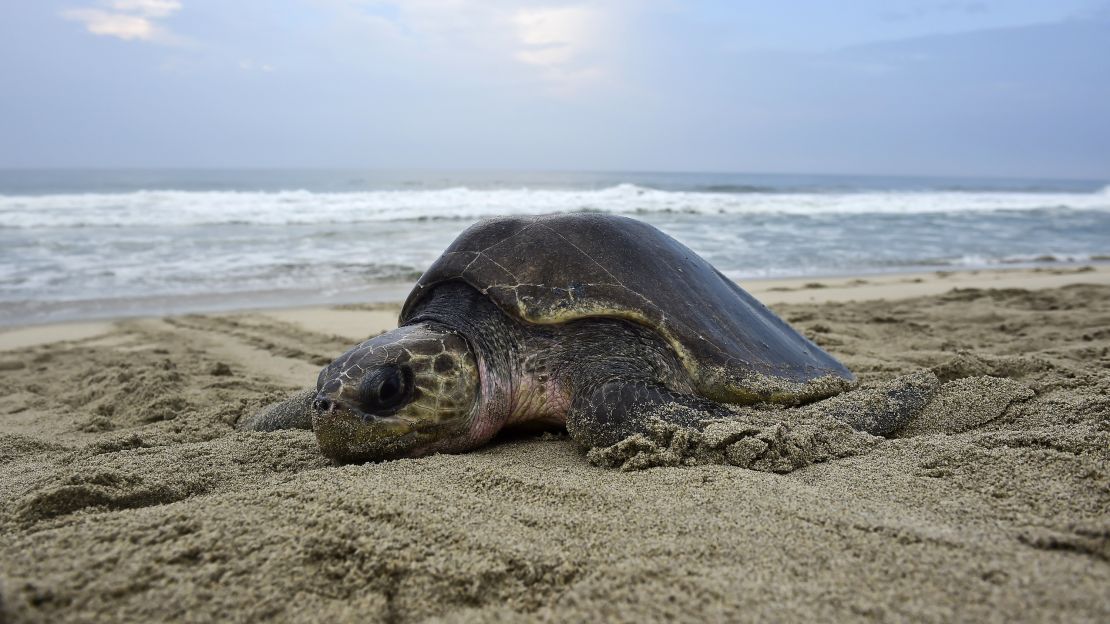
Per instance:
(402,393)
(439,383)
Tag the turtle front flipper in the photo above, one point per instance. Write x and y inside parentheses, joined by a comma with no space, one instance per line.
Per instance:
(614,410)
(636,425)
(294,412)
(881,409)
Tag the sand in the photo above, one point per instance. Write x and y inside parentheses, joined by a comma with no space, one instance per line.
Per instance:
(126,494)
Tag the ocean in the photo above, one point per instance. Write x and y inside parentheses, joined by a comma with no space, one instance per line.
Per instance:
(78,244)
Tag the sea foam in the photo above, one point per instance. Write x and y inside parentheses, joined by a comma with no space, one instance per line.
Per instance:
(301,207)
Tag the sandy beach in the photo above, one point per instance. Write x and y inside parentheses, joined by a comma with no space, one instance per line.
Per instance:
(127,494)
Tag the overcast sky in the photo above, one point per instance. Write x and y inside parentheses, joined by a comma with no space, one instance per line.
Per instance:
(993,87)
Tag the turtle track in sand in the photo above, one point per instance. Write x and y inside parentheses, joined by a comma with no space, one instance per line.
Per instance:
(276,337)
(138,417)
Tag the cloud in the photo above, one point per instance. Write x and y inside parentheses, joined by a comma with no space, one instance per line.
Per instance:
(552,36)
(148,8)
(251,65)
(562,42)
(559,45)
(118,25)
(130,20)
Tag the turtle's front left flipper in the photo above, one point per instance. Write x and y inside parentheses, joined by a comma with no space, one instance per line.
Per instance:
(607,413)
(294,412)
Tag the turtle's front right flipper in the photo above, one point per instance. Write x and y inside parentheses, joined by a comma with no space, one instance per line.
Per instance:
(609,412)
(640,424)
(884,408)
(294,412)
(617,409)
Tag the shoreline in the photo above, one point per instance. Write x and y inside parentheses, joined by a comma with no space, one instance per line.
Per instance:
(377,310)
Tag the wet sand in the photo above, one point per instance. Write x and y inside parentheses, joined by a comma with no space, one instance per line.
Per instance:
(128,495)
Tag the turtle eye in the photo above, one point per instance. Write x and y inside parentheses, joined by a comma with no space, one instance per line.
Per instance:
(385,389)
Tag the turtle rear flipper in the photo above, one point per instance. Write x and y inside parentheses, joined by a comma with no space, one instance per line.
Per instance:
(294,412)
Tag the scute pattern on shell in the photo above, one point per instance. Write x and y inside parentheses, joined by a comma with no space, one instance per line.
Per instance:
(558,268)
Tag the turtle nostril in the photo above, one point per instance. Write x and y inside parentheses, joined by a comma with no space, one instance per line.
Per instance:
(323,404)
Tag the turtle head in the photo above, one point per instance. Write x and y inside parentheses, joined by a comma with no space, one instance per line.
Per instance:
(405,393)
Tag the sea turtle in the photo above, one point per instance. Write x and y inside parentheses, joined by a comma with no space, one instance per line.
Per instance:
(588,320)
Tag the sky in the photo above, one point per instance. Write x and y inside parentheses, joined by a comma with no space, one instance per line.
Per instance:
(1016,88)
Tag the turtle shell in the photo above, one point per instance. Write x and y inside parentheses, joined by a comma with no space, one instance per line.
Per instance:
(560,268)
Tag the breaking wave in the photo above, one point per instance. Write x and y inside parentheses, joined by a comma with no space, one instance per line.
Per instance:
(188,208)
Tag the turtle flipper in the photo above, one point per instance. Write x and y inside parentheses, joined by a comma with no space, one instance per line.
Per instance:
(884,408)
(294,412)
(616,409)
(635,426)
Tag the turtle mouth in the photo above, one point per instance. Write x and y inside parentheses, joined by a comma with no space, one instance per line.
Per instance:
(325,406)
(350,435)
